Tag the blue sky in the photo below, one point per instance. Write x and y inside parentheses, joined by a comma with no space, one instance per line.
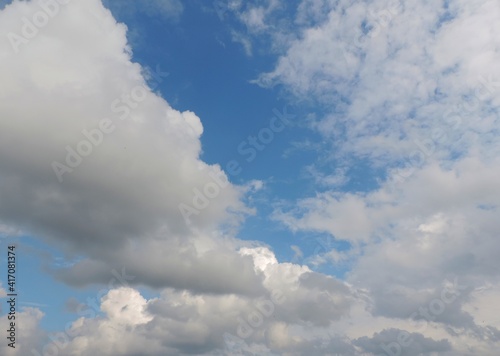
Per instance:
(362,209)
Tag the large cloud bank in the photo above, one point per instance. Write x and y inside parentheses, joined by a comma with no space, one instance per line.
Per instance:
(94,160)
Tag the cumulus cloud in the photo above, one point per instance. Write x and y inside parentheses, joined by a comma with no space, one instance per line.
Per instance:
(27,324)
(100,165)
(179,322)
(98,161)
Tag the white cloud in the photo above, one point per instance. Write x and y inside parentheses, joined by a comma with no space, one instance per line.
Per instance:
(120,205)
(182,322)
(406,67)
(243,40)
(77,73)
(256,17)
(27,324)
(421,109)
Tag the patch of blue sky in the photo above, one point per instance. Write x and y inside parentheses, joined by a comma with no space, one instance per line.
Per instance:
(4,3)
(37,288)
(210,74)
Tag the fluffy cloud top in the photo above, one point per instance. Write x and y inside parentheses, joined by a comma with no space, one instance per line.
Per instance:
(98,161)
